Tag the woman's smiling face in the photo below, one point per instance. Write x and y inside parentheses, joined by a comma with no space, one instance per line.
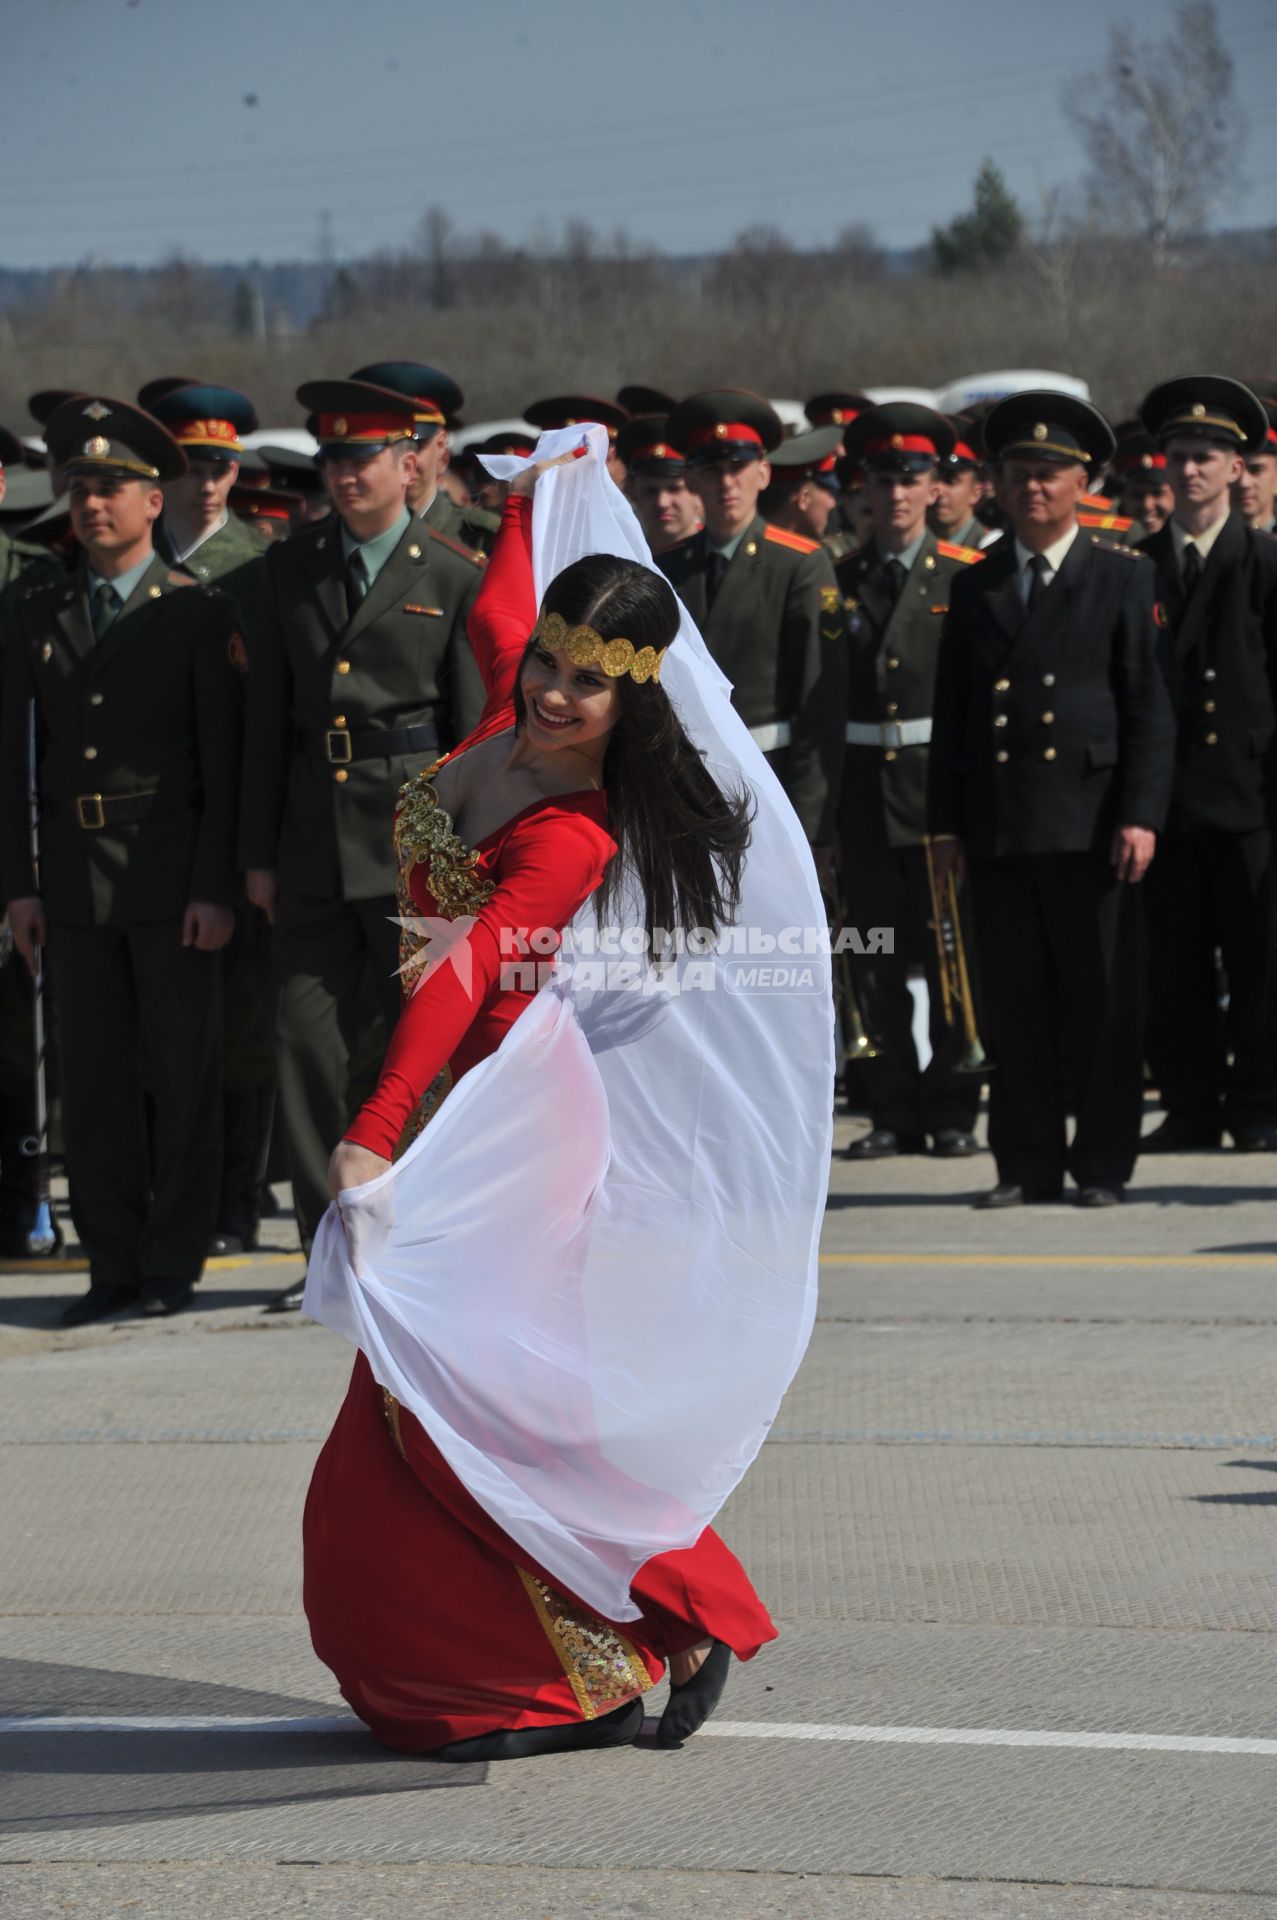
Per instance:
(566,705)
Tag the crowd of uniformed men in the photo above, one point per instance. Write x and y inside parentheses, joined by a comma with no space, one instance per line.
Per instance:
(1012,649)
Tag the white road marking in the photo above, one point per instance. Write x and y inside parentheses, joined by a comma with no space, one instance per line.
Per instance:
(720,1729)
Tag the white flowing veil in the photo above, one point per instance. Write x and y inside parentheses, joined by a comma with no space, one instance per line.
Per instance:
(593,1275)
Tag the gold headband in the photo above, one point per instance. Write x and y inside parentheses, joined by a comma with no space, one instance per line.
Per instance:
(586,648)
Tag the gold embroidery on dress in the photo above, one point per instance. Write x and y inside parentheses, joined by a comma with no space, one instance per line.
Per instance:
(390,1407)
(602,1666)
(423,831)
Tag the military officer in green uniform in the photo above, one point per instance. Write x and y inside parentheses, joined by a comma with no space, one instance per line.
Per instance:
(439,400)
(959,491)
(198,531)
(803,494)
(361,672)
(838,408)
(766,602)
(134,672)
(896,594)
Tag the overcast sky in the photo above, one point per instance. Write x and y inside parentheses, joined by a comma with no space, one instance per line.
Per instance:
(132,127)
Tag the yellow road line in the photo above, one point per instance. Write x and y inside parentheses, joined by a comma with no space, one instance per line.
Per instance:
(221,1264)
(1050,1260)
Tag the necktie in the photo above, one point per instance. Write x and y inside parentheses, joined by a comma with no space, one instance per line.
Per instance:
(1192,567)
(715,568)
(1037,580)
(106,604)
(895,574)
(356,582)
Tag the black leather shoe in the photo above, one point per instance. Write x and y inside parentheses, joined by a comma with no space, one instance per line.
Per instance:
(881,1143)
(224,1242)
(289,1301)
(691,1703)
(98,1304)
(952,1143)
(1100,1196)
(1007,1193)
(159,1301)
(1180,1133)
(1259,1137)
(618,1728)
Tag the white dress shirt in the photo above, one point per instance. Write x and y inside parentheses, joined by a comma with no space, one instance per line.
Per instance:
(1053,555)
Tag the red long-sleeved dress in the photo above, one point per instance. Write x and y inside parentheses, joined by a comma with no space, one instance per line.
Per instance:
(437,1626)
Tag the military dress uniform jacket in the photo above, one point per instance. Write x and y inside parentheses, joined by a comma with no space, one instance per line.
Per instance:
(319,799)
(1055,726)
(138,739)
(232,546)
(892,652)
(474,527)
(1224,681)
(20,557)
(776,629)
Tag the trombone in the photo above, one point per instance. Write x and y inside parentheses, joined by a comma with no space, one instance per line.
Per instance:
(955,981)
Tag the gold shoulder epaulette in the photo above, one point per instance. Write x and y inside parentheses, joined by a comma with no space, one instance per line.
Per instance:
(796,542)
(457,546)
(1117,546)
(952,551)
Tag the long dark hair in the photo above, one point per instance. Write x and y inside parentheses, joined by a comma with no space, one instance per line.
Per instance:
(682,836)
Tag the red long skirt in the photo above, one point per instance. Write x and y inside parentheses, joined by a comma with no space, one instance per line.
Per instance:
(438,1627)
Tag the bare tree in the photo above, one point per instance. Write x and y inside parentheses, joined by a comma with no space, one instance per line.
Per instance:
(1163,137)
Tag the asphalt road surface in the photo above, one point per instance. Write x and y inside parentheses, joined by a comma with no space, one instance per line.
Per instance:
(1016,1521)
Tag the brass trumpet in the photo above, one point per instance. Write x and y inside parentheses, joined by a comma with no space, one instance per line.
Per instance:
(955,981)
(849,1025)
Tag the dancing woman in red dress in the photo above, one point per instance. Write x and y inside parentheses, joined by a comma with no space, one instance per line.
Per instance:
(443,1634)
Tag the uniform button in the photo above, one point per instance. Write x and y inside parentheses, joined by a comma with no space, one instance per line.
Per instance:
(1002,756)
(1048,719)
(892,708)
(1048,679)
(1212,739)
(343,666)
(999,719)
(91,753)
(1209,674)
(1002,686)
(339,719)
(340,776)
(1048,753)
(95,699)
(892,665)
(1208,706)
(890,754)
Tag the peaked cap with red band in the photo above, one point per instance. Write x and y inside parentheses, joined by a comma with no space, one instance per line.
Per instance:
(354,417)
(837,408)
(576,410)
(809,456)
(208,421)
(438,398)
(645,447)
(899,437)
(726,423)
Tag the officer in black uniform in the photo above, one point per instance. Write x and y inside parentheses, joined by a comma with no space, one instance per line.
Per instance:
(896,593)
(766,602)
(23,564)
(439,401)
(135,673)
(1212,885)
(362,672)
(1051,761)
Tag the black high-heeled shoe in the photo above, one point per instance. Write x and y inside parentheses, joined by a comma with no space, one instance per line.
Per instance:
(691,1704)
(615,1729)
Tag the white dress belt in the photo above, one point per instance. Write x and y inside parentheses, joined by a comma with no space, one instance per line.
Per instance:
(775,733)
(888,733)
